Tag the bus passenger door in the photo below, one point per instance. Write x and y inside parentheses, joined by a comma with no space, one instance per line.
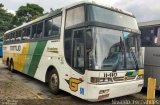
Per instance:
(78,62)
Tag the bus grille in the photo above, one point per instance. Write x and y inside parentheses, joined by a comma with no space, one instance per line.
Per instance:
(124,78)
(118,78)
(130,77)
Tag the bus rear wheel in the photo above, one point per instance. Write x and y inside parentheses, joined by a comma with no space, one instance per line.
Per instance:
(8,64)
(11,66)
(54,82)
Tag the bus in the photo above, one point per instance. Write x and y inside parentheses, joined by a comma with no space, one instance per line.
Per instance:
(150,36)
(1,43)
(87,49)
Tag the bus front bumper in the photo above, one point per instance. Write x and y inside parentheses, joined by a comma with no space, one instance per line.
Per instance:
(108,91)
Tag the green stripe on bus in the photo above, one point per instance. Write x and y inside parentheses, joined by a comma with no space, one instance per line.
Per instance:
(32,47)
(36,57)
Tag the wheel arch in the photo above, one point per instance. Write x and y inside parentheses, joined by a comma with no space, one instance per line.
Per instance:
(49,69)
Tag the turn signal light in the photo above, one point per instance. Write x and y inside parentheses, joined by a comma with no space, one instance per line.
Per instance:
(100,80)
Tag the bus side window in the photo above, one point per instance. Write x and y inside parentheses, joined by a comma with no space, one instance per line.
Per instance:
(75,16)
(7,38)
(78,50)
(28,33)
(18,35)
(56,26)
(40,30)
(34,28)
(74,46)
(52,27)
(23,33)
(68,46)
(12,37)
(48,28)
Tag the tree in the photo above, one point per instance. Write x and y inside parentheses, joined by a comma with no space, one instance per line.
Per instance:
(5,20)
(27,13)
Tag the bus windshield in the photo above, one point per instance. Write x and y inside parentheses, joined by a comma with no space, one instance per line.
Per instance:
(104,15)
(114,49)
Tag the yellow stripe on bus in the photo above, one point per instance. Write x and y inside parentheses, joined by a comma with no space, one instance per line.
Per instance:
(19,59)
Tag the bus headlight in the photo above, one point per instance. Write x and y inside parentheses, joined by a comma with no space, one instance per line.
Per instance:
(101,80)
(140,74)
(139,77)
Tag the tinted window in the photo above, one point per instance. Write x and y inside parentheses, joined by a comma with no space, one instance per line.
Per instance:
(78,50)
(12,37)
(74,49)
(147,37)
(48,28)
(53,26)
(68,46)
(23,33)
(75,16)
(56,25)
(34,28)
(7,37)
(28,32)
(104,15)
(39,30)
(18,35)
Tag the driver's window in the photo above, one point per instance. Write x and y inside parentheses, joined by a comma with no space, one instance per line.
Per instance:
(78,50)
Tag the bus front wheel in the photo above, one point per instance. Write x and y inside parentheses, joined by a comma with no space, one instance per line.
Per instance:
(54,82)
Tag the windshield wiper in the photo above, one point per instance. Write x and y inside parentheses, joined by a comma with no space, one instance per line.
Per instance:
(123,53)
(134,58)
(115,66)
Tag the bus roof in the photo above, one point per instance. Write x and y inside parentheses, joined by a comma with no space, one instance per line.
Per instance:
(149,23)
(67,7)
(101,4)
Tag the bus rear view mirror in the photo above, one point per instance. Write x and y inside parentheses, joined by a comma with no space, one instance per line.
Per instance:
(89,40)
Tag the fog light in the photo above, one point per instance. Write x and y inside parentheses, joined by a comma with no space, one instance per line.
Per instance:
(103,91)
(103,96)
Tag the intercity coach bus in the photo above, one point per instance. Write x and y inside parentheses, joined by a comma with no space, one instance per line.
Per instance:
(87,49)
(150,36)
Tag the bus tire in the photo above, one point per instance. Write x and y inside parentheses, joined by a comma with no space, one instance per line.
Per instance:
(54,82)
(7,63)
(11,66)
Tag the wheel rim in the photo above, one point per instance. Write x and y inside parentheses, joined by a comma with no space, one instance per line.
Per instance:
(54,81)
(11,67)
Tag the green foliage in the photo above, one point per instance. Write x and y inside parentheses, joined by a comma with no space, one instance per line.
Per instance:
(27,13)
(5,20)
(23,14)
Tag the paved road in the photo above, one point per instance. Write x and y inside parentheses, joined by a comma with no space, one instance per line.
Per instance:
(41,91)
(36,86)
